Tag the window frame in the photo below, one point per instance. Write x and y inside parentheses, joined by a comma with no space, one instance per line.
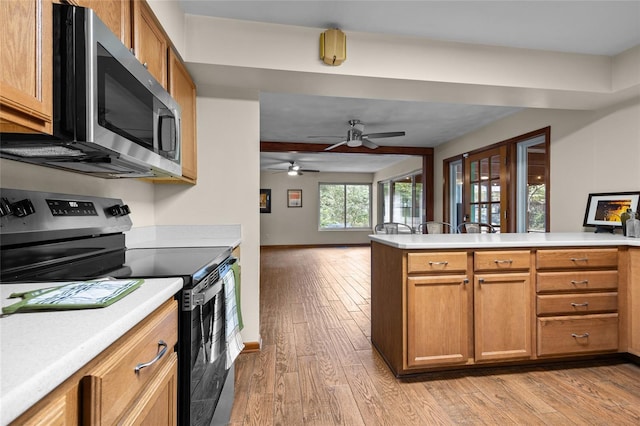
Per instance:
(511,144)
(345,228)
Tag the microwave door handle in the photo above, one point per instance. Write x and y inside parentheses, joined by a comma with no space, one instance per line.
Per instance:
(172,133)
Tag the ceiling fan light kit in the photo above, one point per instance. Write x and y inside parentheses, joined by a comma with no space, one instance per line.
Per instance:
(333,47)
(356,137)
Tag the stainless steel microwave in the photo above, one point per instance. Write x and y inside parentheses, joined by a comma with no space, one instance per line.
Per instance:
(111,118)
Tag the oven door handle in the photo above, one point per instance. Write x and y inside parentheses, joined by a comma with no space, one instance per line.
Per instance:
(206,296)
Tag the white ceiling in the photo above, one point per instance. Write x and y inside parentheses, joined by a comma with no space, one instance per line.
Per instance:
(590,27)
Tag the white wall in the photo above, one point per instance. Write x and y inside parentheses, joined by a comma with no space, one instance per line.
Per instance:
(591,151)
(227,190)
(137,194)
(299,225)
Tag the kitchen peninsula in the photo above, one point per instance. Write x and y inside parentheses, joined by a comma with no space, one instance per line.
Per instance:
(466,300)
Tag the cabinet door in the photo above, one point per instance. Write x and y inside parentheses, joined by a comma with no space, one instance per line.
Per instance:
(634,301)
(116,14)
(157,404)
(183,90)
(149,41)
(26,71)
(438,310)
(502,316)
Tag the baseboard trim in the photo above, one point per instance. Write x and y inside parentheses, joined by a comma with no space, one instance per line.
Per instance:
(250,347)
(314,245)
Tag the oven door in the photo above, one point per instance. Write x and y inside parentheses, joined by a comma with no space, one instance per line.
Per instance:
(204,354)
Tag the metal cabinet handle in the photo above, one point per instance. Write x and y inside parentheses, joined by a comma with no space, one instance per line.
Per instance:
(580,336)
(579,259)
(575,305)
(465,281)
(145,65)
(481,280)
(438,263)
(503,261)
(140,366)
(574,282)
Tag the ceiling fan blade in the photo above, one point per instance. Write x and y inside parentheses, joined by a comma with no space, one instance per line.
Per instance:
(335,146)
(326,136)
(310,171)
(366,142)
(383,135)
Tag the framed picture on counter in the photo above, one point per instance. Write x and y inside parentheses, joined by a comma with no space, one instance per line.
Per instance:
(604,209)
(294,197)
(265,201)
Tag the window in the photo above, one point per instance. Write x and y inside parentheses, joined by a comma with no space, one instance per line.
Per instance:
(455,190)
(345,206)
(401,200)
(532,189)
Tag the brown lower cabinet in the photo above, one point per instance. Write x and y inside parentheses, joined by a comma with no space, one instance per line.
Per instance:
(108,391)
(442,309)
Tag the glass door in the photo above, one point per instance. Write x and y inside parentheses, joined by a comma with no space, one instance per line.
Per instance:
(485,188)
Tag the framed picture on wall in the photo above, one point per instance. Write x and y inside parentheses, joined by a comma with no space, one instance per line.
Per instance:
(265,201)
(294,197)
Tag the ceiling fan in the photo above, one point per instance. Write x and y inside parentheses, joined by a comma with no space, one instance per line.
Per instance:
(356,137)
(295,170)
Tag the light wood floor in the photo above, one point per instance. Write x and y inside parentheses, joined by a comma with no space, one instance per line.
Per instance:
(317,366)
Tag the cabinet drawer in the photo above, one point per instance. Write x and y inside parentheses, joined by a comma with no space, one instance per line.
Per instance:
(577,281)
(501,260)
(577,258)
(437,262)
(577,303)
(111,387)
(575,334)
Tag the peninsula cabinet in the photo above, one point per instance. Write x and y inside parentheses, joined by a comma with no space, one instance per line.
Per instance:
(634,301)
(502,305)
(26,71)
(450,308)
(577,302)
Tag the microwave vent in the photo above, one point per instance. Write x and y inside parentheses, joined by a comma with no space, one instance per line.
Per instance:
(55,151)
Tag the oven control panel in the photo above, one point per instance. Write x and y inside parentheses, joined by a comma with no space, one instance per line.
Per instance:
(33,216)
(72,208)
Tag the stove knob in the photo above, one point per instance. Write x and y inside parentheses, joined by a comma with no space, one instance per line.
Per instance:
(119,210)
(23,208)
(5,207)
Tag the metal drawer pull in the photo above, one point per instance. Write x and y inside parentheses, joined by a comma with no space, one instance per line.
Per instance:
(503,261)
(481,280)
(580,336)
(438,263)
(579,259)
(575,305)
(574,282)
(465,281)
(140,366)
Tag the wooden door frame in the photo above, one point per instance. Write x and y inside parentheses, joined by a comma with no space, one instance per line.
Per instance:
(512,144)
(425,153)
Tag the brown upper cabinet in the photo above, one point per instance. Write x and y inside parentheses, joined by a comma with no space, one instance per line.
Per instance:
(26,71)
(150,43)
(116,14)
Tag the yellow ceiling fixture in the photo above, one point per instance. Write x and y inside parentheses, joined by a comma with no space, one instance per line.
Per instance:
(333,47)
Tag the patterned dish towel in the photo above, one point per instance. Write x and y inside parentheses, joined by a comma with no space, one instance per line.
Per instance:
(233,338)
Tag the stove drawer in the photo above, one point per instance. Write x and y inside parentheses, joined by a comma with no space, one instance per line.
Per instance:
(110,389)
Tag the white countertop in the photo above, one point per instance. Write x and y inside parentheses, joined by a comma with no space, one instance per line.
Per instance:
(184,236)
(39,351)
(453,241)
